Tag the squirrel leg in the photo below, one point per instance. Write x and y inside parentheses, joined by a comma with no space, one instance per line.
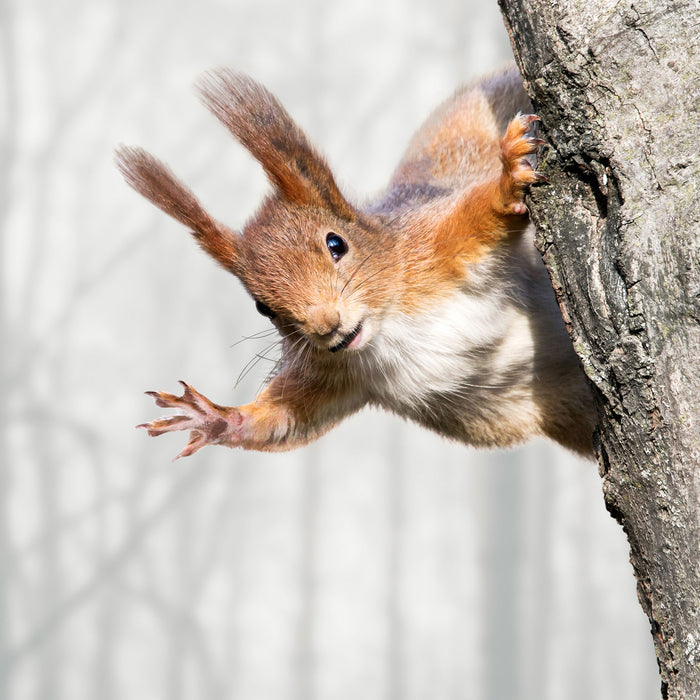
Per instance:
(517,173)
(270,423)
(490,211)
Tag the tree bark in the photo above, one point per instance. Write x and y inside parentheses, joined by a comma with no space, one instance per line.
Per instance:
(617,85)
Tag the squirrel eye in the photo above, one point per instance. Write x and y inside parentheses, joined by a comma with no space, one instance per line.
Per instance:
(264,309)
(336,245)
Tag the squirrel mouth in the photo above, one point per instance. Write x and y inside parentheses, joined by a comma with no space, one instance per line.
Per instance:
(347,340)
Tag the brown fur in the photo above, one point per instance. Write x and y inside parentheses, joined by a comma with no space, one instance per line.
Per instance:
(448,230)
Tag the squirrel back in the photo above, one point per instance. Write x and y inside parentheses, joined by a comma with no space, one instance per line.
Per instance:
(459,142)
(429,301)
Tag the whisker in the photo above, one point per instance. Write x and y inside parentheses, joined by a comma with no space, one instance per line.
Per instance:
(256,336)
(254,361)
(356,270)
(467,385)
(292,351)
(358,286)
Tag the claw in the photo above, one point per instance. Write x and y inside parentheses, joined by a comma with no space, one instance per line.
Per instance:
(197,401)
(196,442)
(518,170)
(165,400)
(208,423)
(165,425)
(528,176)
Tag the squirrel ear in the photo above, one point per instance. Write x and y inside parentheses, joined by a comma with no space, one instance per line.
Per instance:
(156,182)
(257,119)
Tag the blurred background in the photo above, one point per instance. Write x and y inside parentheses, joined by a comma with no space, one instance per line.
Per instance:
(380,563)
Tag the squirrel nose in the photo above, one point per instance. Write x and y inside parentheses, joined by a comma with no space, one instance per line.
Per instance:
(323,319)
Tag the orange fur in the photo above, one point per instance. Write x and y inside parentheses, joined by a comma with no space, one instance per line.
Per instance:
(155,181)
(458,142)
(256,118)
(426,301)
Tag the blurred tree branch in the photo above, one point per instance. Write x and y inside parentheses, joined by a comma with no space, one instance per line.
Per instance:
(139,532)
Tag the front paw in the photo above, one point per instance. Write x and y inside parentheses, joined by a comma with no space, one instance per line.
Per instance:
(518,172)
(208,423)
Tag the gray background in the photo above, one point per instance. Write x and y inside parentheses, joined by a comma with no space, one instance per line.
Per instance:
(381,562)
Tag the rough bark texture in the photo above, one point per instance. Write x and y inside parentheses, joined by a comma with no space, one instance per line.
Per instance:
(618,87)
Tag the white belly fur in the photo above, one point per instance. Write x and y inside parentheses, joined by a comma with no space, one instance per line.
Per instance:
(419,354)
(463,368)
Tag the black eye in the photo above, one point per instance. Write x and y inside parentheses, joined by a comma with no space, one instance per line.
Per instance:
(264,309)
(336,245)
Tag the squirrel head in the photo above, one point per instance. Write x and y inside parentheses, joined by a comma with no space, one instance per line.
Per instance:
(305,268)
(305,255)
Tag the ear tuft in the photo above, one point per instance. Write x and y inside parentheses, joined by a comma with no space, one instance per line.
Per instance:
(257,119)
(156,182)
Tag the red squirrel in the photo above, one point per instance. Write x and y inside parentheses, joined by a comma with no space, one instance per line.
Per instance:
(429,301)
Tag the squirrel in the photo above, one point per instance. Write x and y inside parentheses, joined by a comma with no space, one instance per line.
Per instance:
(429,301)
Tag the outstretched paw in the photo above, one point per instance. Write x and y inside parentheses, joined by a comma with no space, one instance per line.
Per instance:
(208,423)
(518,172)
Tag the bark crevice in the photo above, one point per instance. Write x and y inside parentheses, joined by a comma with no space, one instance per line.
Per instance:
(618,88)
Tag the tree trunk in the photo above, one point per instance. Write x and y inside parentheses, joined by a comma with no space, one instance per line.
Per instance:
(618,88)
